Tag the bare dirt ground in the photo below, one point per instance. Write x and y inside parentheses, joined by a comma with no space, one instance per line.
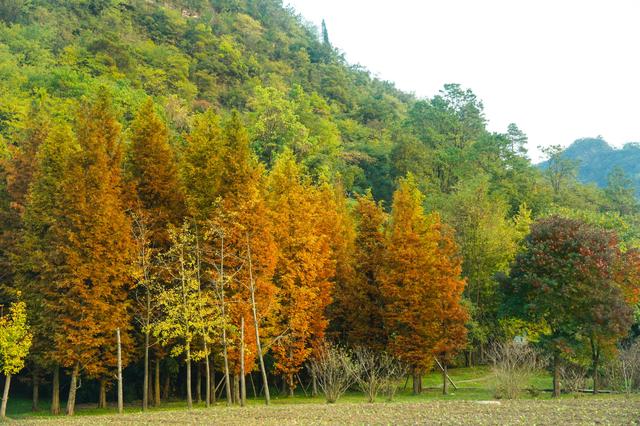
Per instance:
(568,411)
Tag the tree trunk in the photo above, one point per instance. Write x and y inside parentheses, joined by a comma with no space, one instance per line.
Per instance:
(207,380)
(199,383)
(102,397)
(5,396)
(156,383)
(445,382)
(417,383)
(556,375)
(314,384)
(145,386)
(236,388)
(243,383)
(166,387)
(120,391)
(227,379)
(36,392)
(213,386)
(150,388)
(263,370)
(189,400)
(55,391)
(595,362)
(73,387)
(291,385)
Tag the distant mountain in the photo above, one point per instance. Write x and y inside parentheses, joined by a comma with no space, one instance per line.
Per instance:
(597,159)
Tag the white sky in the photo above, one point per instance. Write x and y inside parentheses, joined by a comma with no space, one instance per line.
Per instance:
(560,69)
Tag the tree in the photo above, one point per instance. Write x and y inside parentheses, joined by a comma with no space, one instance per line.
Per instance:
(325,34)
(303,269)
(488,241)
(189,313)
(621,193)
(517,140)
(15,341)
(80,246)
(44,222)
(421,284)
(200,166)
(559,170)
(242,218)
(357,311)
(569,276)
(159,202)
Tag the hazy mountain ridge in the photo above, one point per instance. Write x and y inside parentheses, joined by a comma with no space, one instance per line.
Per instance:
(597,159)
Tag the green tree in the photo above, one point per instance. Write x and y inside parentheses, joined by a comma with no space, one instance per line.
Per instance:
(621,193)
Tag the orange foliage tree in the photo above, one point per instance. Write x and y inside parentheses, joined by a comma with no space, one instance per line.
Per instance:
(81,241)
(157,201)
(358,304)
(421,285)
(304,266)
(241,216)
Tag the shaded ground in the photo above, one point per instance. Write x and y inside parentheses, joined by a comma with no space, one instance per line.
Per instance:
(584,410)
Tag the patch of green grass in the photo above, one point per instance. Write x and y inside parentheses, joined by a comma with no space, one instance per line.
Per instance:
(474,384)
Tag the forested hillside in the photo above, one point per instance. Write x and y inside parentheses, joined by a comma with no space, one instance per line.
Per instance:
(211,181)
(599,162)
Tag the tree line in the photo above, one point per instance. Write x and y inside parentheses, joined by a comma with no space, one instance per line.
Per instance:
(205,256)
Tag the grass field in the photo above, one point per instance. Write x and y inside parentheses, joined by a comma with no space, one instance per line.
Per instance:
(472,403)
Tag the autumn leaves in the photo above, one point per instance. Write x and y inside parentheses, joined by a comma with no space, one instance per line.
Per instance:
(190,245)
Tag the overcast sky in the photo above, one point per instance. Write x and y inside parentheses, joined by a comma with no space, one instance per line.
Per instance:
(560,69)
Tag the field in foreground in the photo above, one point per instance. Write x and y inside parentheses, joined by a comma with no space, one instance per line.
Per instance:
(567,411)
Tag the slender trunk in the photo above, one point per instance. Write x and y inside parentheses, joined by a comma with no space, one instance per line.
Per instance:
(236,388)
(189,400)
(227,380)
(5,396)
(150,388)
(145,386)
(55,391)
(417,383)
(263,370)
(36,392)
(556,375)
(102,396)
(166,388)
(120,392)
(314,384)
(445,382)
(243,383)
(595,361)
(291,385)
(207,382)
(199,383)
(156,384)
(73,387)
(213,386)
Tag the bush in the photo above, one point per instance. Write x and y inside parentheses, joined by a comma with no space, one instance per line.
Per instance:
(514,365)
(376,372)
(623,372)
(573,377)
(334,370)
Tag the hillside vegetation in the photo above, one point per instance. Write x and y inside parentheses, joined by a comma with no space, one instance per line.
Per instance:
(211,182)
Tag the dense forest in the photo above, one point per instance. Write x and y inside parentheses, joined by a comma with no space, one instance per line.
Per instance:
(205,191)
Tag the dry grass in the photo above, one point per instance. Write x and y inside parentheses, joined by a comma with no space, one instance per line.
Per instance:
(566,411)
